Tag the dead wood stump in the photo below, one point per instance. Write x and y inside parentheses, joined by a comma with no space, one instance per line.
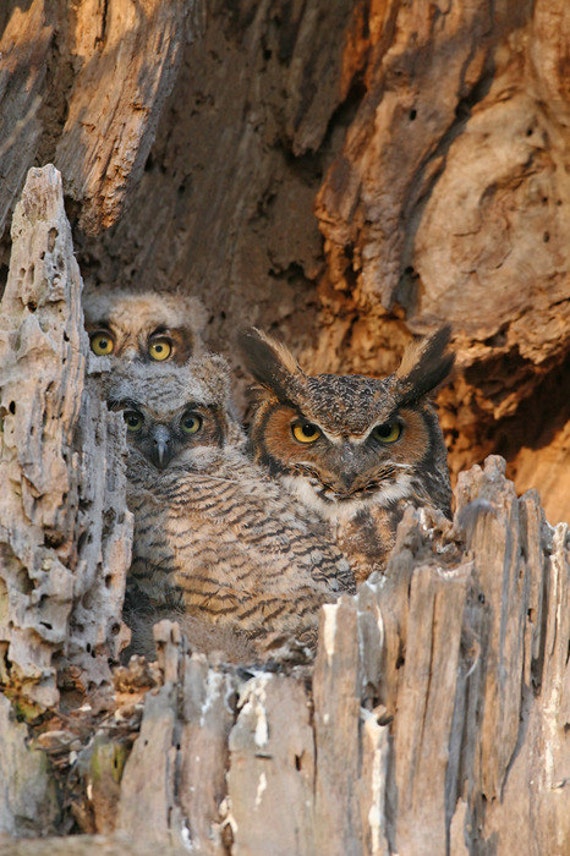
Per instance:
(435,719)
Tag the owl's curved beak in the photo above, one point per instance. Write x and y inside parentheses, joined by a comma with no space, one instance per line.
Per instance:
(161,447)
(349,471)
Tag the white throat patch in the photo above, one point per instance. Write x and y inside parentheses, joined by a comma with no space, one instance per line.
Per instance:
(344,510)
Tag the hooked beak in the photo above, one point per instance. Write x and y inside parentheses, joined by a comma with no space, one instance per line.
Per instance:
(161,448)
(349,469)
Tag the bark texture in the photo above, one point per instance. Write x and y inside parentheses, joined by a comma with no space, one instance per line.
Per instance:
(65,530)
(346,175)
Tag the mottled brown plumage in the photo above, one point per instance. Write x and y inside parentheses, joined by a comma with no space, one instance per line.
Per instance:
(145,327)
(352,448)
(214,536)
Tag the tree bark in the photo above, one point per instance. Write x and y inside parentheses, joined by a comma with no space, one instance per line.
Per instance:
(347,175)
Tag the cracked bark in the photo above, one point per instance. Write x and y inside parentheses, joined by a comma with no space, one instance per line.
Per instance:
(432,141)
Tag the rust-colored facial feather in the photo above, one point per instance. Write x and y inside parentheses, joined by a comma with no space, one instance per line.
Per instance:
(345,465)
(359,437)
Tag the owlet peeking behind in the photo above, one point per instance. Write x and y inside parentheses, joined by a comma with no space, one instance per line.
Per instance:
(145,327)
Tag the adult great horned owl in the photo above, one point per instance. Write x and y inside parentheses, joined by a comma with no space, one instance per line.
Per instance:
(355,449)
(215,539)
(147,327)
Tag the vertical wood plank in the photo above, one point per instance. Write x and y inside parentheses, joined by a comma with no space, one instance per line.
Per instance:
(336,693)
(207,717)
(271,775)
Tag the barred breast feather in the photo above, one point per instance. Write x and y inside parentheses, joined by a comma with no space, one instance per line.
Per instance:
(217,540)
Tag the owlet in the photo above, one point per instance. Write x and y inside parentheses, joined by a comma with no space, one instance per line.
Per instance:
(215,539)
(146,327)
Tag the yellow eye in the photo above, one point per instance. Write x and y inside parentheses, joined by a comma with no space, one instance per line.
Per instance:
(102,343)
(191,423)
(160,349)
(388,432)
(134,420)
(305,432)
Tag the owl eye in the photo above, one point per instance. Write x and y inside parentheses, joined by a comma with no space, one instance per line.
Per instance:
(305,432)
(102,343)
(191,423)
(160,349)
(387,432)
(134,420)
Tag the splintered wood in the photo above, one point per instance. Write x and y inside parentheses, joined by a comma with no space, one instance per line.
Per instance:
(64,527)
(436,718)
(126,58)
(428,741)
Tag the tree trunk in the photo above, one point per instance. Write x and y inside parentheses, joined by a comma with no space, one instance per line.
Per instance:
(193,142)
(440,697)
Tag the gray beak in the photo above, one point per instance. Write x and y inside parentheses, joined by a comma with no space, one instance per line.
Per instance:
(349,471)
(161,448)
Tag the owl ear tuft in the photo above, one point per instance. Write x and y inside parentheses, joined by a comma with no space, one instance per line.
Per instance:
(271,363)
(425,364)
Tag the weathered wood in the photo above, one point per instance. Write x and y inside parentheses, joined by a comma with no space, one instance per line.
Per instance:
(24,47)
(207,716)
(126,56)
(23,810)
(271,768)
(85,845)
(425,756)
(65,530)
(502,575)
(437,716)
(145,802)
(336,693)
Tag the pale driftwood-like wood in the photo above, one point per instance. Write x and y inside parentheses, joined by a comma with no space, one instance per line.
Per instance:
(208,715)
(26,809)
(272,768)
(336,693)
(85,845)
(65,530)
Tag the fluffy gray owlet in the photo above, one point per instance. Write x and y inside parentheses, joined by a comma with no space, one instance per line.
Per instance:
(354,449)
(215,539)
(146,327)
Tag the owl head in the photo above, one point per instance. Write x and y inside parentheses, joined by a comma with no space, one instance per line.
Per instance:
(341,442)
(171,411)
(146,327)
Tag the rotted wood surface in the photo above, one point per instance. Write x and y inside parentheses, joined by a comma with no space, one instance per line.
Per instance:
(372,171)
(431,742)
(435,718)
(86,83)
(65,530)
(437,715)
